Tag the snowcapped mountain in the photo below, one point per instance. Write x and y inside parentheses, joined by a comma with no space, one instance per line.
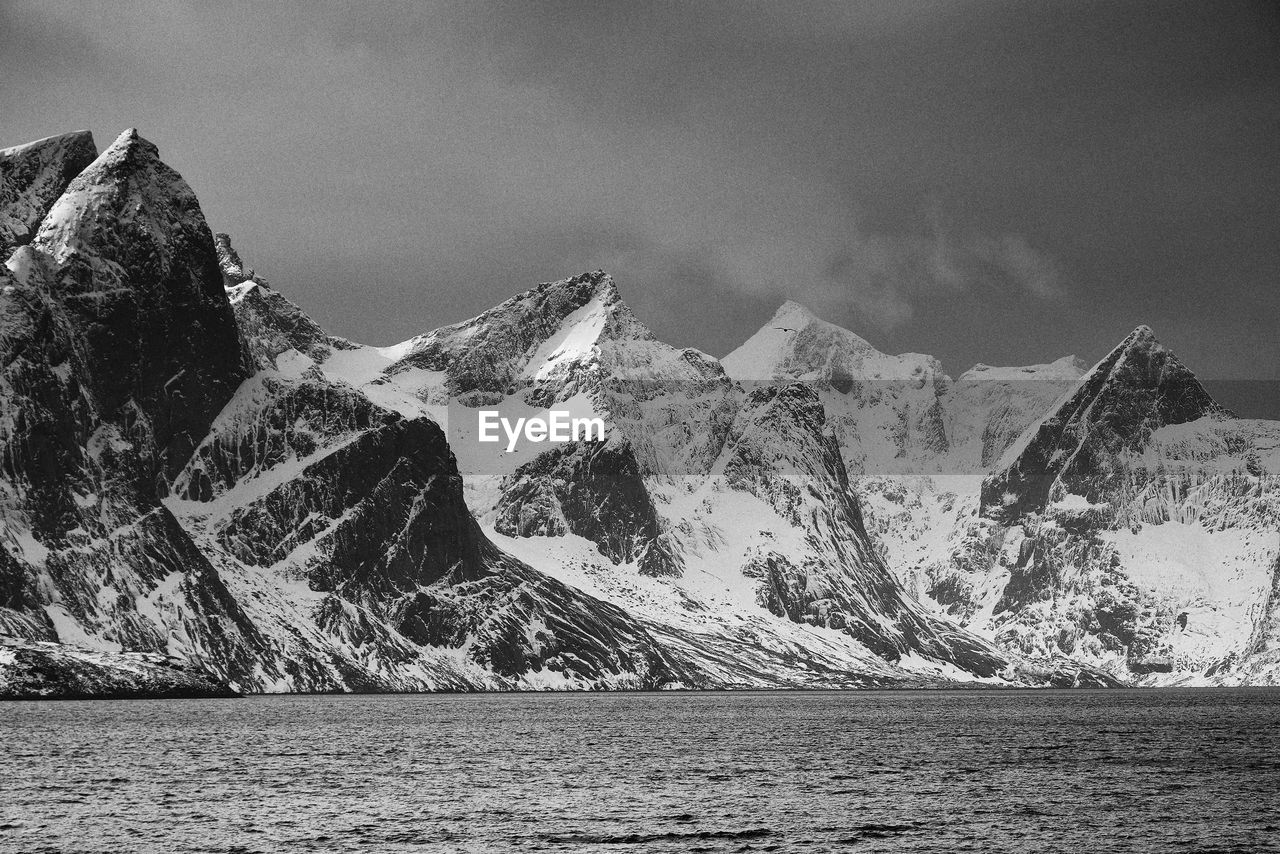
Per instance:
(1134,526)
(1138,388)
(177,480)
(704,507)
(886,411)
(101,312)
(1114,516)
(191,467)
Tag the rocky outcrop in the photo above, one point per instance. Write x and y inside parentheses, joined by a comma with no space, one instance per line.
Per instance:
(1063,672)
(1137,389)
(270,325)
(32,177)
(522,625)
(1133,510)
(594,490)
(103,402)
(781,451)
(53,671)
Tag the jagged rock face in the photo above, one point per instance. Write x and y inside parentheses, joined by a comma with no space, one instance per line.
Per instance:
(517,621)
(1153,553)
(274,421)
(47,419)
(1059,563)
(1138,388)
(576,339)
(127,256)
(97,414)
(783,452)
(234,272)
(575,344)
(43,671)
(486,357)
(306,464)
(119,348)
(781,447)
(594,490)
(32,177)
(306,478)
(270,326)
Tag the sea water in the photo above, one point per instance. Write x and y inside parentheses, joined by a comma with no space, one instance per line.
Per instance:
(989,771)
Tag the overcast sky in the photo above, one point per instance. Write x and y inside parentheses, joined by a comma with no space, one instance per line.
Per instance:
(1005,183)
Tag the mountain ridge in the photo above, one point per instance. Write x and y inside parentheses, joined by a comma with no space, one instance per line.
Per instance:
(190,466)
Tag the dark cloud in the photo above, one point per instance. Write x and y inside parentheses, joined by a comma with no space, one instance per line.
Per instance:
(983,181)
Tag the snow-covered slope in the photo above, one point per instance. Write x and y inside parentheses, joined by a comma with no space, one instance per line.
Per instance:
(886,410)
(988,408)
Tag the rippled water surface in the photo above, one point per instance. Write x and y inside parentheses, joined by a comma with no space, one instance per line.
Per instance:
(1081,771)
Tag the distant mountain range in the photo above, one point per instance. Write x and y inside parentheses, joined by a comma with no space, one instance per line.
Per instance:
(198,484)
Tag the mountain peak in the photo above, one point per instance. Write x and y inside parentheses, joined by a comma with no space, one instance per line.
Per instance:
(127,203)
(1143,337)
(129,146)
(1139,387)
(491,351)
(1141,359)
(234,271)
(797,344)
(32,177)
(73,139)
(793,312)
(594,285)
(553,301)
(128,136)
